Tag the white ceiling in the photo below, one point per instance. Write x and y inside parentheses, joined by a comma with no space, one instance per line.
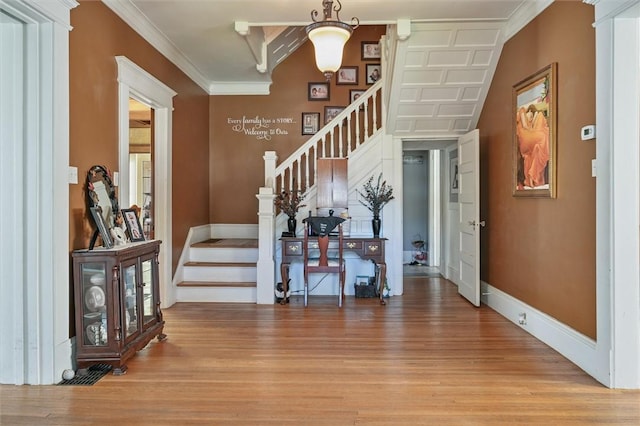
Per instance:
(441,74)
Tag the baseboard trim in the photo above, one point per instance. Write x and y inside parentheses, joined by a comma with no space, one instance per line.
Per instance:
(576,347)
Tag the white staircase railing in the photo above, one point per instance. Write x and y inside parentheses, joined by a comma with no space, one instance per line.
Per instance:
(344,134)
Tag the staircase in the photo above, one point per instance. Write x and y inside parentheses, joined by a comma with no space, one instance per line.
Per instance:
(221,270)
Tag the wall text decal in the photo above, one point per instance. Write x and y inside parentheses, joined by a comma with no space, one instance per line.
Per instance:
(261,128)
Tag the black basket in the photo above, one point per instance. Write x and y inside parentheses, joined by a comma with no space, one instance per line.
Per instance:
(364,291)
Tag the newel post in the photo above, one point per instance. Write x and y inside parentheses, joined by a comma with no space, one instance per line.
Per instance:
(265,281)
(270,158)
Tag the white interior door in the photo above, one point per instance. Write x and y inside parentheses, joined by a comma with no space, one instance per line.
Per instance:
(469,207)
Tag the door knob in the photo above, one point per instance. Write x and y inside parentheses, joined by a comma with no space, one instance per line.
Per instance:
(474,223)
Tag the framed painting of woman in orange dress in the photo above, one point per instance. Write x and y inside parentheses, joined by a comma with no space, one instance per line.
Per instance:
(534,138)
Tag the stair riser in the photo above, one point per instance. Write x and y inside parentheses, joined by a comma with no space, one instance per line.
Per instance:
(199,254)
(217,294)
(220,273)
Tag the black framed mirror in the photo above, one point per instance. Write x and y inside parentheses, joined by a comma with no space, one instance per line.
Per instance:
(101,197)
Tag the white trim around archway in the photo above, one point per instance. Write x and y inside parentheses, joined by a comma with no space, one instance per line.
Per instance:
(135,82)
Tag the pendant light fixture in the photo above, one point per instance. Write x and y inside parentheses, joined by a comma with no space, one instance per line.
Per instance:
(329,37)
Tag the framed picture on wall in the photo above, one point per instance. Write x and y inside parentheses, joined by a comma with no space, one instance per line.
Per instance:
(370,50)
(310,123)
(534,134)
(354,94)
(347,75)
(453,169)
(331,112)
(318,91)
(373,73)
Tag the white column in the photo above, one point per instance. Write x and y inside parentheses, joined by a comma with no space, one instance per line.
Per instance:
(266,244)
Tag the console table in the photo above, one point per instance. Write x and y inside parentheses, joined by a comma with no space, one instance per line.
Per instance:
(365,248)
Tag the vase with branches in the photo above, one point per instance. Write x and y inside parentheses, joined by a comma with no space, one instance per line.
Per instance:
(289,202)
(374,198)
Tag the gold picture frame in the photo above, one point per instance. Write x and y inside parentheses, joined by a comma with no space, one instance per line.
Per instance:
(534,134)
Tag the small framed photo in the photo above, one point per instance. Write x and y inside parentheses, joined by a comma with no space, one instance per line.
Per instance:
(331,112)
(354,94)
(96,213)
(370,50)
(373,73)
(318,91)
(133,225)
(310,123)
(347,75)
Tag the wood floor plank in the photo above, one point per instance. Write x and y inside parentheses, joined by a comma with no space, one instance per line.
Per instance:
(426,358)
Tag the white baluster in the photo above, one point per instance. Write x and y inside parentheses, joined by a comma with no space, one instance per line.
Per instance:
(375,110)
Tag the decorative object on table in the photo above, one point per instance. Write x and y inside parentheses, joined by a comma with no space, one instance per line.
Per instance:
(101,229)
(102,201)
(118,235)
(133,225)
(289,202)
(375,198)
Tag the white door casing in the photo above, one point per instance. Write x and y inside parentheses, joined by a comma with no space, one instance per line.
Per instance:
(469,207)
(134,82)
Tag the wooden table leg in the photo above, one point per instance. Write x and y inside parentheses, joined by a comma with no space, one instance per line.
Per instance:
(383,276)
(284,272)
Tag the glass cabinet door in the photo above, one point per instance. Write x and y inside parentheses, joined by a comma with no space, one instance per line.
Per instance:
(130,281)
(93,277)
(147,289)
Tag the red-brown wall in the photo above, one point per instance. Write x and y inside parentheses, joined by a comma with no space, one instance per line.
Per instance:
(98,36)
(237,166)
(542,251)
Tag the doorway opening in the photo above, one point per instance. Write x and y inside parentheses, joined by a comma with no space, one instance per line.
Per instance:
(426,210)
(141,163)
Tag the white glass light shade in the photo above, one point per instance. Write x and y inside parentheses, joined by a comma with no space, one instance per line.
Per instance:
(328,42)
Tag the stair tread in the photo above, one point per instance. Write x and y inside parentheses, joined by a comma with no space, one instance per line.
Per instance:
(215,284)
(227,243)
(222,264)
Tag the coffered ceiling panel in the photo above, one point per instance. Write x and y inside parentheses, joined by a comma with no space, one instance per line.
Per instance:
(441,77)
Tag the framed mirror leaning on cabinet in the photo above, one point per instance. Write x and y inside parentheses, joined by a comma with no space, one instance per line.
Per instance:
(103,204)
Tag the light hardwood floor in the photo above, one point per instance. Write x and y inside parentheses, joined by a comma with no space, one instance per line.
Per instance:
(428,357)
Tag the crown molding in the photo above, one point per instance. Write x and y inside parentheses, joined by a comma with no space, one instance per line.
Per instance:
(240,88)
(527,11)
(133,17)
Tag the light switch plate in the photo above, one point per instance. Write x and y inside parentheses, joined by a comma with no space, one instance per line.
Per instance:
(73,174)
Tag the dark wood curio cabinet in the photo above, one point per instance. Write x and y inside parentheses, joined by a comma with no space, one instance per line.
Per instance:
(117,303)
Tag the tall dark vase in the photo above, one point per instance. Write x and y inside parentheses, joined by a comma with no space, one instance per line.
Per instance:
(375,224)
(291,225)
